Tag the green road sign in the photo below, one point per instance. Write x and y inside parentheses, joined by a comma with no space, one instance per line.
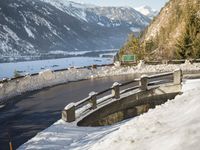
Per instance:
(129,58)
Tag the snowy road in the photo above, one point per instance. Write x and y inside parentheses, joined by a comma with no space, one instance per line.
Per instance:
(33,112)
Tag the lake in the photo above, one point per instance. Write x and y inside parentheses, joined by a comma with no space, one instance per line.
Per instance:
(7,69)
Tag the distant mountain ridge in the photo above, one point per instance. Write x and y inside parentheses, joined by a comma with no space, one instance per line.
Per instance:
(147,11)
(35,27)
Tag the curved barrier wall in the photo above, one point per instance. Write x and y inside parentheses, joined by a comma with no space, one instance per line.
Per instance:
(17,86)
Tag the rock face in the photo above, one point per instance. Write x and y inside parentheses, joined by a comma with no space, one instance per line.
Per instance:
(33,28)
(170,25)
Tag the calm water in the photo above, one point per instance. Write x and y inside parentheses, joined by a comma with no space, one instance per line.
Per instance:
(8,69)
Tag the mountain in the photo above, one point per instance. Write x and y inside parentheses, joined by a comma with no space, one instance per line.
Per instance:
(177,26)
(173,34)
(147,11)
(35,29)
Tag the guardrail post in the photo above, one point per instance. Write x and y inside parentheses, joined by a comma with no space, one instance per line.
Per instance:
(143,82)
(116,90)
(68,114)
(93,99)
(177,76)
(94,66)
(164,61)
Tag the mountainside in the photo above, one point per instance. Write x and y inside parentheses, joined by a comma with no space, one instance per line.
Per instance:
(173,34)
(36,28)
(177,19)
(147,11)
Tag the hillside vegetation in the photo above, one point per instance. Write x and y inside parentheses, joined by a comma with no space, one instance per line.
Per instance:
(173,34)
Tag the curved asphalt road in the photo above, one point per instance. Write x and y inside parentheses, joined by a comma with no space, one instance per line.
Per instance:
(30,113)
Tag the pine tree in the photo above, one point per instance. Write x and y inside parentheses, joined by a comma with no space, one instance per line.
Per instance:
(188,46)
(184,46)
(195,32)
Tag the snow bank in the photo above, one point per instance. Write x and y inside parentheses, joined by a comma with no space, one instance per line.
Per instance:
(49,78)
(43,79)
(173,125)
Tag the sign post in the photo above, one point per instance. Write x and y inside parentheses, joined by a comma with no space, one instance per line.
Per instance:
(129,58)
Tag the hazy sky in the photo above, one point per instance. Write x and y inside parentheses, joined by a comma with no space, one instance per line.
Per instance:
(156,4)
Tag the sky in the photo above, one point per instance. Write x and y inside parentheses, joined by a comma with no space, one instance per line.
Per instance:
(155,4)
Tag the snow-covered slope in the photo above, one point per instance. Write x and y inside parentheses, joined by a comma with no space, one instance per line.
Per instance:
(117,16)
(104,16)
(35,27)
(147,11)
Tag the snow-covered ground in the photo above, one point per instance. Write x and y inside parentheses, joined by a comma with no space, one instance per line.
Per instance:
(174,125)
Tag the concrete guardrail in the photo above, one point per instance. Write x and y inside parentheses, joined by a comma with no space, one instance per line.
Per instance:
(91,104)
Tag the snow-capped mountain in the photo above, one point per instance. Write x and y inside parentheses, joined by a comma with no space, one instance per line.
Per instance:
(147,11)
(35,27)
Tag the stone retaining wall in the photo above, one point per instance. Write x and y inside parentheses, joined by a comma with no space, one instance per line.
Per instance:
(14,87)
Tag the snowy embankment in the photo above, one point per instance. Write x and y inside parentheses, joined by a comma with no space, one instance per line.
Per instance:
(173,125)
(49,78)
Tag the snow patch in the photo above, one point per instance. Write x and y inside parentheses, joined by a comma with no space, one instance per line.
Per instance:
(72,8)
(101,24)
(67,28)
(133,29)
(147,11)
(29,32)
(70,105)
